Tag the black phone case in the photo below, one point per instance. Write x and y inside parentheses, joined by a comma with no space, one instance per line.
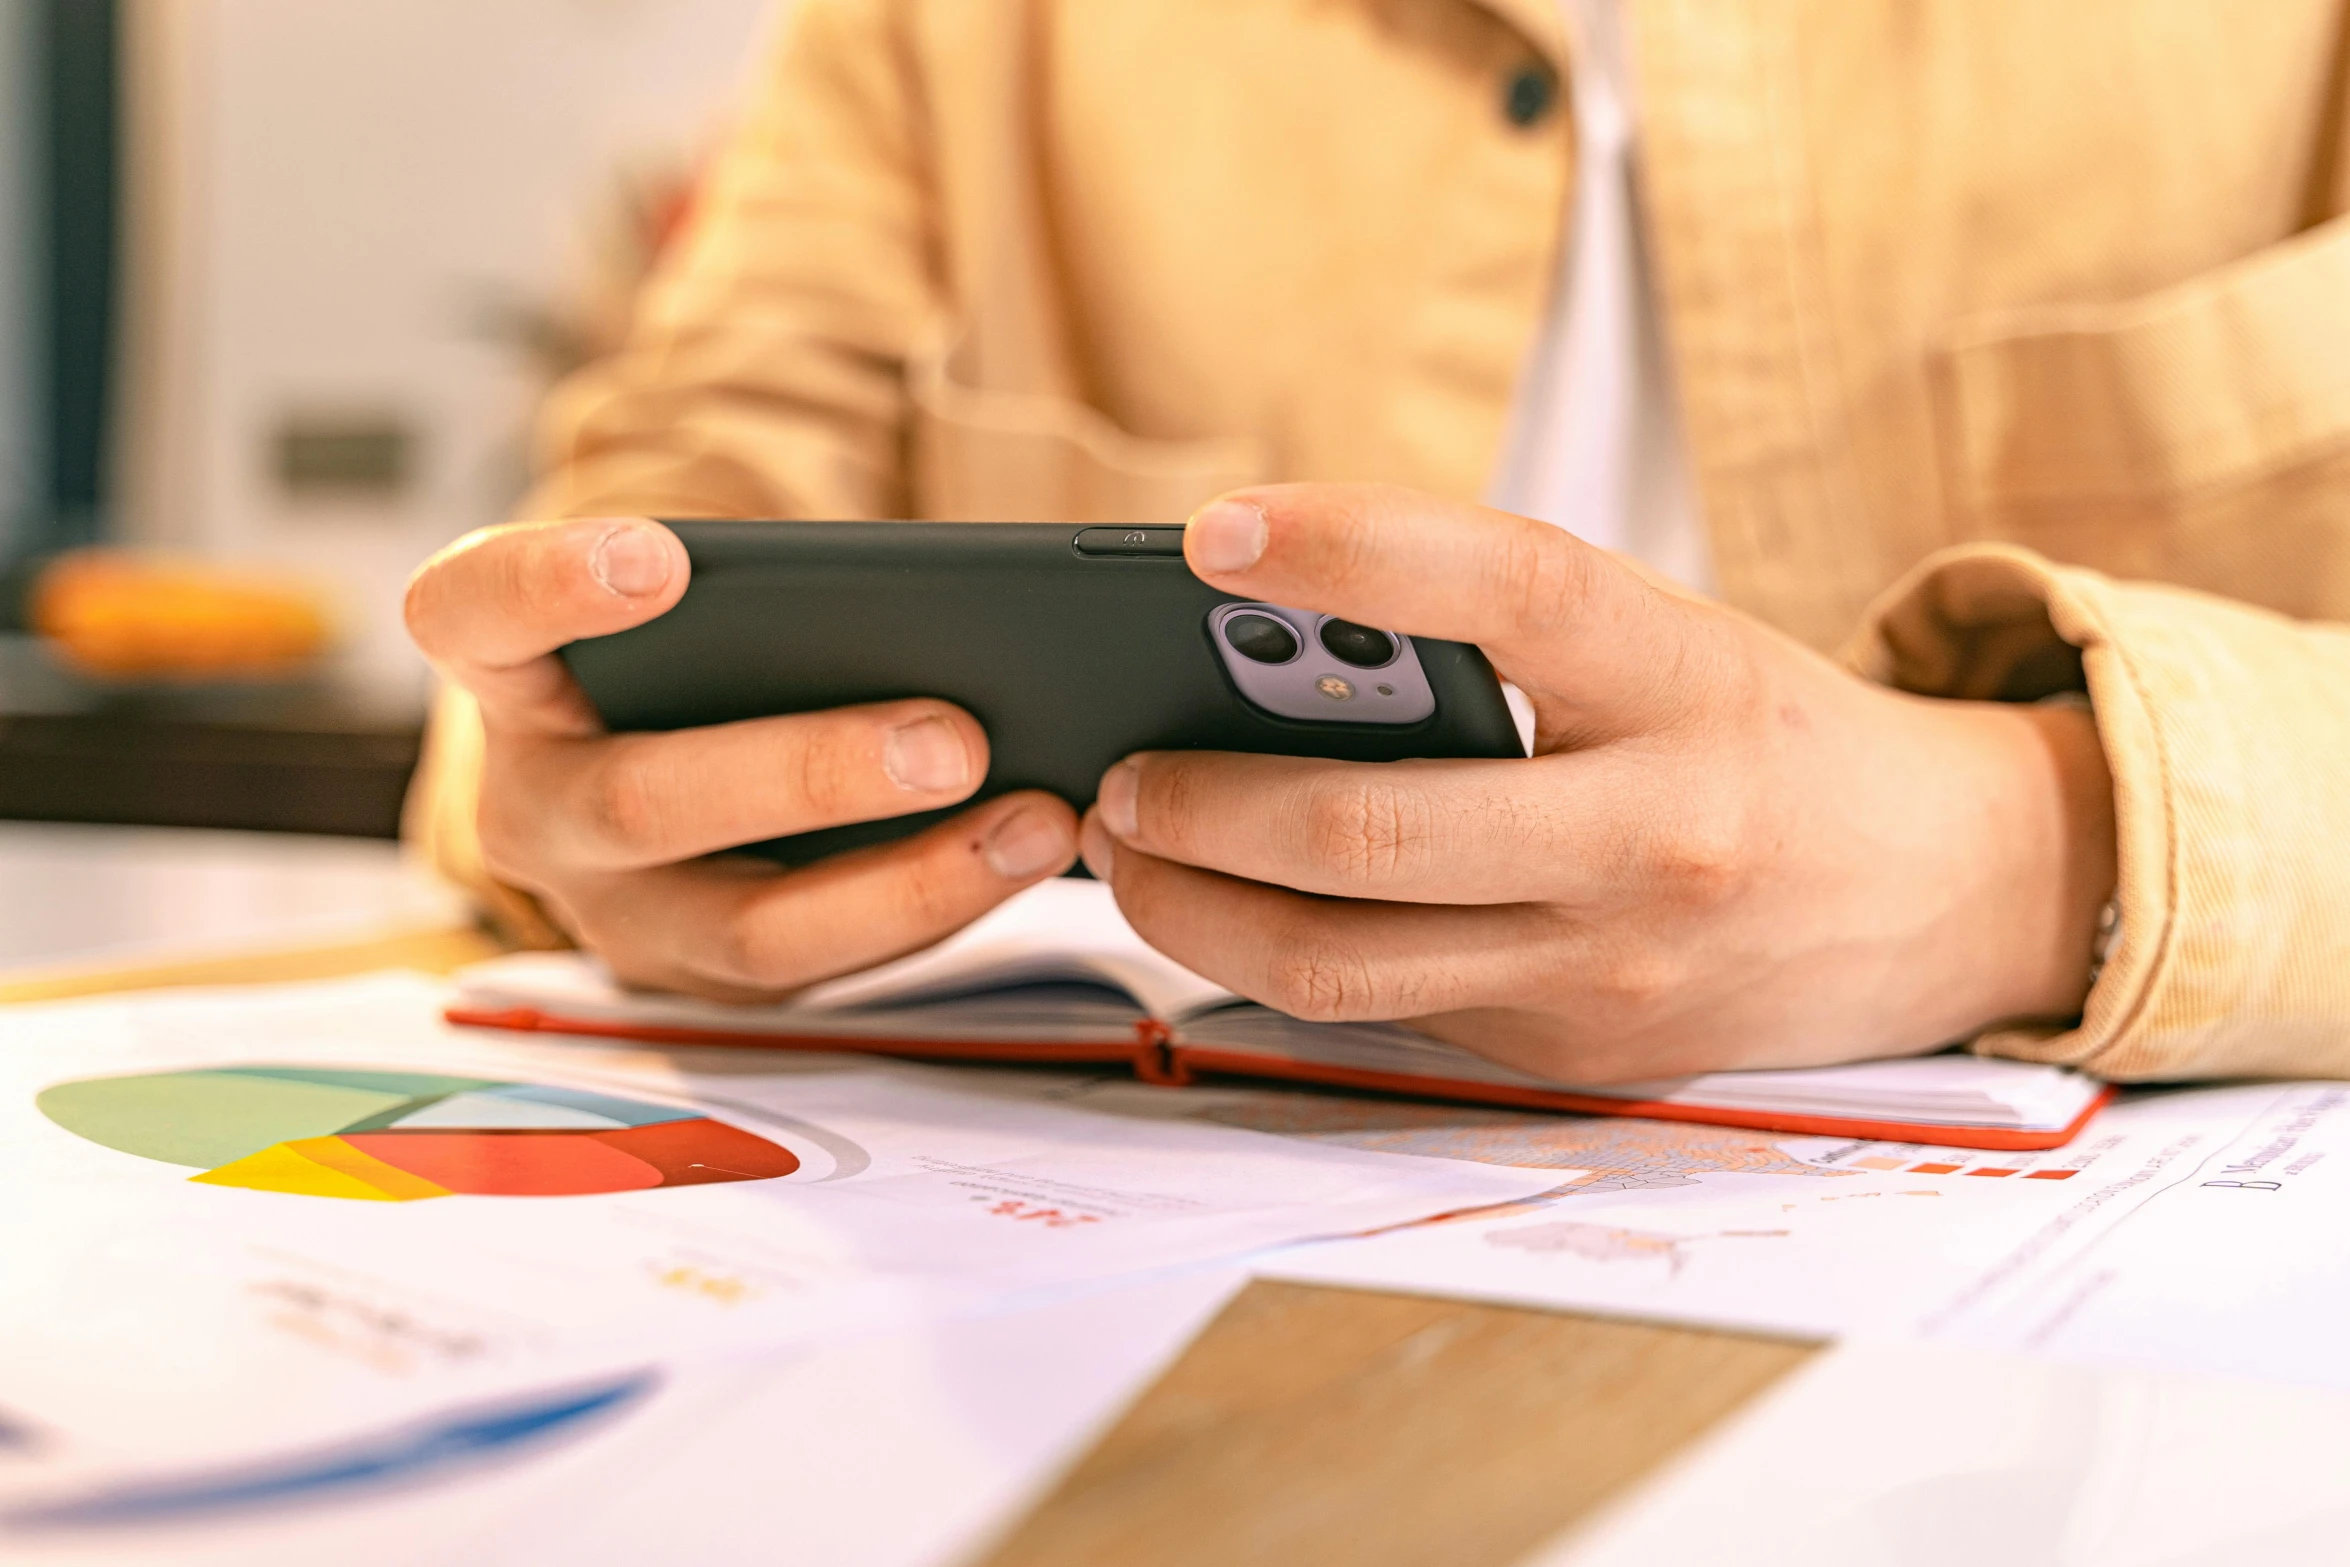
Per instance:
(1071,646)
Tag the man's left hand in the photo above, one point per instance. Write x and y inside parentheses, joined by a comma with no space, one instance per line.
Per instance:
(1724,852)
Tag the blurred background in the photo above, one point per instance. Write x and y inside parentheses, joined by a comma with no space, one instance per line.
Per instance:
(280,283)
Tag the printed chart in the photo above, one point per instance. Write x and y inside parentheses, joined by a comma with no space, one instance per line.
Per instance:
(405,1136)
(1609,1154)
(165,1341)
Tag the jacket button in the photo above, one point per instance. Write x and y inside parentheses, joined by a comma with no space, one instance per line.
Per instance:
(1528,96)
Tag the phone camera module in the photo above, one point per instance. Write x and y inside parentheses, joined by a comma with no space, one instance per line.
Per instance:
(1281,662)
(1357,645)
(1261,638)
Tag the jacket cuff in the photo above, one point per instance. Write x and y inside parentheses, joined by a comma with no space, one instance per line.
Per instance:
(439,822)
(2227,731)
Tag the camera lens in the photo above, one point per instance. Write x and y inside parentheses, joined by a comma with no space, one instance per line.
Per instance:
(1262,638)
(1357,645)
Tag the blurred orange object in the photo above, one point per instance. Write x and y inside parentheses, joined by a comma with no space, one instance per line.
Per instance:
(122,616)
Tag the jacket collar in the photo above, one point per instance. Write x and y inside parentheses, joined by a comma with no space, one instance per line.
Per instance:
(1539,22)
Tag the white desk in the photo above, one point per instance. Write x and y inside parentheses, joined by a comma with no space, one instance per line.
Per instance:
(74,897)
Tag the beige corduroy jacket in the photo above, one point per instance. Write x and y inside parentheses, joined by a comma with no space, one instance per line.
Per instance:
(2003,329)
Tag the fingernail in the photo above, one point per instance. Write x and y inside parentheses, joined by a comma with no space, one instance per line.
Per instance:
(1093,842)
(1228,536)
(1116,798)
(1027,843)
(631,562)
(927,756)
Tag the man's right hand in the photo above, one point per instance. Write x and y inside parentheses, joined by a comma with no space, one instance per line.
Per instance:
(615,833)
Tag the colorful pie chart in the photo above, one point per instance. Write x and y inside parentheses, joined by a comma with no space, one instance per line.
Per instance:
(402,1136)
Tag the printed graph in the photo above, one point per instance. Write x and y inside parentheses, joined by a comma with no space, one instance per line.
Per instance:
(2060,1164)
(405,1136)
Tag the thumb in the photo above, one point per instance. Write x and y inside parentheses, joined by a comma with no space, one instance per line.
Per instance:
(491,610)
(1599,650)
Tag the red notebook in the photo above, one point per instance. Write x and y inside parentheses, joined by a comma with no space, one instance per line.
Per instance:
(1057,976)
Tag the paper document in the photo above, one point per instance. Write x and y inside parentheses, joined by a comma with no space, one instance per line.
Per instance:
(902,1448)
(244,1220)
(2225,1254)
(2193,1228)
(1921,1456)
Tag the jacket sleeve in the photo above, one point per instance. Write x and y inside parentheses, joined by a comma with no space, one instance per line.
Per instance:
(2227,730)
(764,374)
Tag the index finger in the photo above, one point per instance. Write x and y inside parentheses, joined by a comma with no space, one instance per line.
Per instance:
(1444,831)
(1561,618)
(491,609)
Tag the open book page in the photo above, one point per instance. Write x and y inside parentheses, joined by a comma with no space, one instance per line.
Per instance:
(1951,1089)
(1062,930)
(1058,963)
(1941,1090)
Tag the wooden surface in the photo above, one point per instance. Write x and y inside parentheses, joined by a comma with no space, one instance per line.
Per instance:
(1305,1425)
(1316,1425)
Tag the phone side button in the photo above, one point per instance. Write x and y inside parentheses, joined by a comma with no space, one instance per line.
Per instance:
(1129,541)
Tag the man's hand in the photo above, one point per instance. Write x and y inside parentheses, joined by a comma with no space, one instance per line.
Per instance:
(612,831)
(1724,852)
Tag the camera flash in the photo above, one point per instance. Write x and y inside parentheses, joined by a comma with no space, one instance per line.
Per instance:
(1336,689)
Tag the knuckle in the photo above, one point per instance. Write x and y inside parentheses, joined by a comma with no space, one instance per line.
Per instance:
(533,581)
(1706,859)
(520,570)
(1638,982)
(500,828)
(1173,799)
(1543,579)
(928,899)
(627,965)
(1314,979)
(791,934)
(828,776)
(1738,684)
(601,918)
(1354,557)
(507,815)
(1707,674)
(1367,830)
(627,807)
(765,941)
(746,950)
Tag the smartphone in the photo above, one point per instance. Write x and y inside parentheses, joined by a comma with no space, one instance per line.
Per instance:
(1072,646)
